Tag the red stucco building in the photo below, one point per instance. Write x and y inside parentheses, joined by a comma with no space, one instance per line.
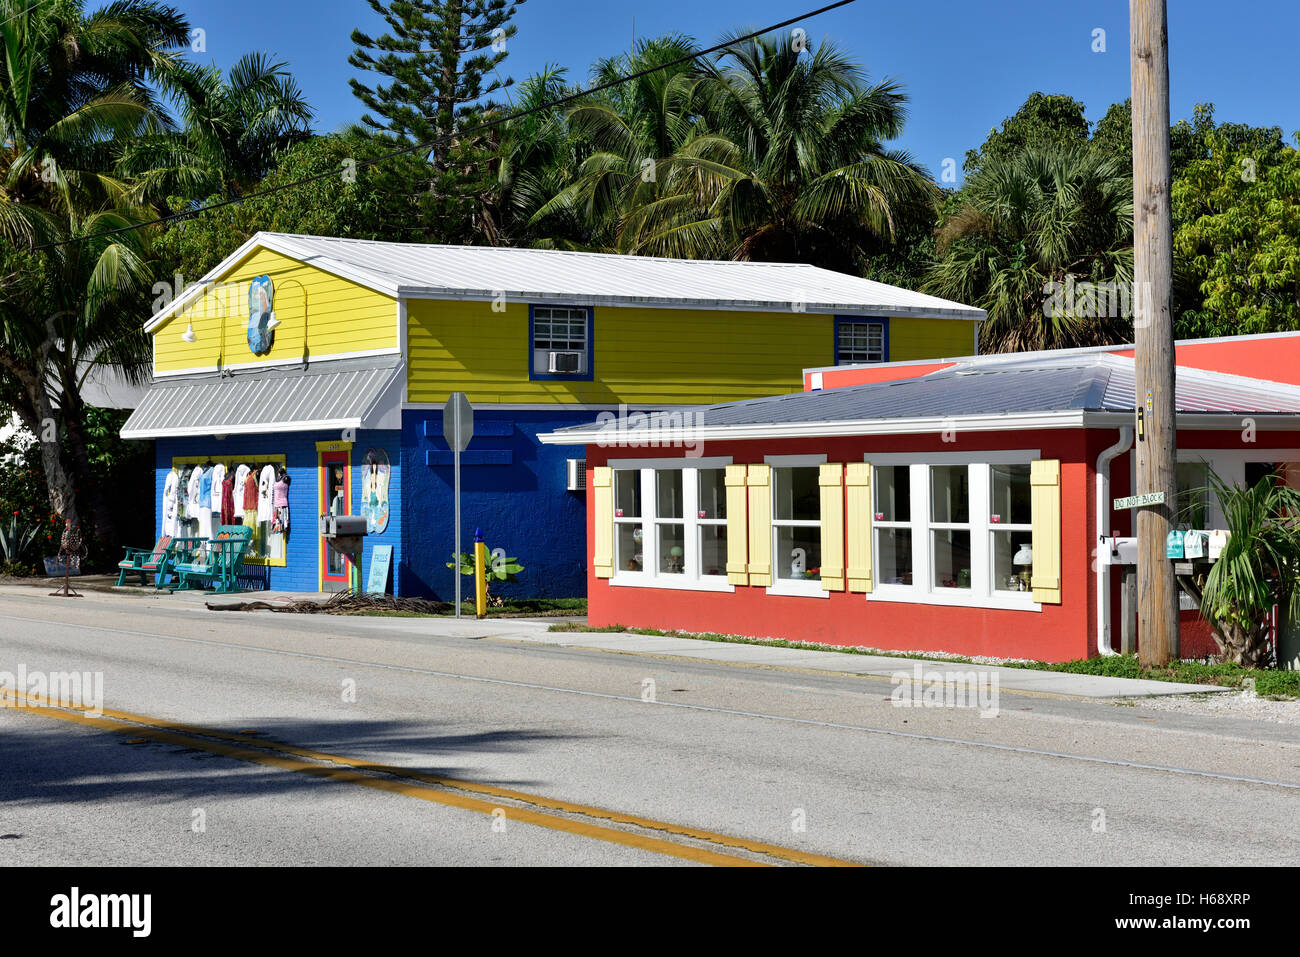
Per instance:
(961,505)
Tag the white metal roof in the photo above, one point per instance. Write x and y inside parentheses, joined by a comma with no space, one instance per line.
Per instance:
(429,271)
(345,394)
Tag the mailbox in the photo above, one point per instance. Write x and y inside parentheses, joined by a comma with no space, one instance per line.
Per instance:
(344,533)
(1118,551)
(342,526)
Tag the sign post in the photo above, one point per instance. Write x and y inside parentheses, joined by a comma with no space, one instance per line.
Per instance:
(457,429)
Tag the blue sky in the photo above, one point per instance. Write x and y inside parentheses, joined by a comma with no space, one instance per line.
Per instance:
(965,65)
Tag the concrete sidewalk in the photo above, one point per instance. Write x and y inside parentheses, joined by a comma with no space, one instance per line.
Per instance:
(1009,679)
(535,630)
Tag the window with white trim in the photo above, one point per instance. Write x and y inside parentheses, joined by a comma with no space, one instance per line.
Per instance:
(954,530)
(859,341)
(560,339)
(893,524)
(671,525)
(1011,527)
(796,524)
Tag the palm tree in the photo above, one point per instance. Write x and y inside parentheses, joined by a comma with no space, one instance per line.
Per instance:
(535,162)
(1042,221)
(621,139)
(1259,568)
(235,126)
(786,163)
(75,85)
(62,318)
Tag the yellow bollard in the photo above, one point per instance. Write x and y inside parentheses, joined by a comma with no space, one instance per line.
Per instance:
(480,578)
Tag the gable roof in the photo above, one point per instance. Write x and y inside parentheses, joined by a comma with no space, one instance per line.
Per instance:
(1039,391)
(432,271)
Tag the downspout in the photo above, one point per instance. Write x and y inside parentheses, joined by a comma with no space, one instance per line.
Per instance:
(1103,571)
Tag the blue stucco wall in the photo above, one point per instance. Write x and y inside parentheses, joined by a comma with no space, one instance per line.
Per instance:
(521,506)
(301,569)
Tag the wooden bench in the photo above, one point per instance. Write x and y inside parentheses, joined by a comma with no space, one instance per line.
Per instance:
(216,563)
(156,561)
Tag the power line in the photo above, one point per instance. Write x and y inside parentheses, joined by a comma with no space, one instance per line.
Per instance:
(437,141)
(22,12)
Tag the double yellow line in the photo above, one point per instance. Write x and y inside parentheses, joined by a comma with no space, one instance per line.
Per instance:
(439,790)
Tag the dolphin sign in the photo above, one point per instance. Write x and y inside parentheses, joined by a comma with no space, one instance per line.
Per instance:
(261,320)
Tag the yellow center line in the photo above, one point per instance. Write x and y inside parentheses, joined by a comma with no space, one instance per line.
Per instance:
(191,736)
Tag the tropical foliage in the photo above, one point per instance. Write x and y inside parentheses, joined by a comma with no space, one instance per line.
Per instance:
(1030,228)
(1258,569)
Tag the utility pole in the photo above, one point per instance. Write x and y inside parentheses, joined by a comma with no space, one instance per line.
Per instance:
(1157,593)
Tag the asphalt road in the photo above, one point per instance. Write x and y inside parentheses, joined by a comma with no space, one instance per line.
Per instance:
(237,738)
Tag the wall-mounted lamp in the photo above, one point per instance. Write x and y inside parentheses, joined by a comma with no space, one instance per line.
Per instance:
(188,335)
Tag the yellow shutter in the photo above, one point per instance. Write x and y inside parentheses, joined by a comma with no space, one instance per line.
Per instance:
(831,479)
(857,481)
(737,527)
(759,480)
(1045,482)
(602,490)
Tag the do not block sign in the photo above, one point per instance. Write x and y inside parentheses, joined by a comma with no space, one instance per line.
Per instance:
(1137,501)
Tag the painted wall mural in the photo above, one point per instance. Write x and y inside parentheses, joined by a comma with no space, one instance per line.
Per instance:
(261,320)
(374,491)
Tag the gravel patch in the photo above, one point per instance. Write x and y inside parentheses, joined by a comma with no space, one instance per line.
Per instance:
(1243,704)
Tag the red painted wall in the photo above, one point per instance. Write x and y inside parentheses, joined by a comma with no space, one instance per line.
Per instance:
(1057,633)
(1276,358)
(861,375)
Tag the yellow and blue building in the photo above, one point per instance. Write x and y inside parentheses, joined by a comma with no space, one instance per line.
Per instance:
(324,356)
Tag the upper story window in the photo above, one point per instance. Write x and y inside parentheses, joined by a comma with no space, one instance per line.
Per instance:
(861,340)
(560,342)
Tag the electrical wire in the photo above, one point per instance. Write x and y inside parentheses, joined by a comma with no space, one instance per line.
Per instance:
(437,141)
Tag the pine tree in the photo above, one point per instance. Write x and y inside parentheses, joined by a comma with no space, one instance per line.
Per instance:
(441,57)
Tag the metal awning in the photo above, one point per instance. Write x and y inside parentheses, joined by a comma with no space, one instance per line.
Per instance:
(349,394)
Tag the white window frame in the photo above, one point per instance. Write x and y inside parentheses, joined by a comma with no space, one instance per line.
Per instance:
(650,576)
(1230,464)
(810,587)
(923,590)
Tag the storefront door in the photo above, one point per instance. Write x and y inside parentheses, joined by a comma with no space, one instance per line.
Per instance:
(335,499)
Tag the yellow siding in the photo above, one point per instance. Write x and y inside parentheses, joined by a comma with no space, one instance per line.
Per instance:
(930,338)
(340,316)
(645,357)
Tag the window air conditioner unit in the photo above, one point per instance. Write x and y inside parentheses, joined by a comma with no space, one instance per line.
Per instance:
(577,480)
(564,362)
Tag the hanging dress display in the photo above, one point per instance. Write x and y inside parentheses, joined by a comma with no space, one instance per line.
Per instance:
(280,520)
(265,487)
(241,474)
(170,504)
(228,500)
(247,494)
(205,502)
